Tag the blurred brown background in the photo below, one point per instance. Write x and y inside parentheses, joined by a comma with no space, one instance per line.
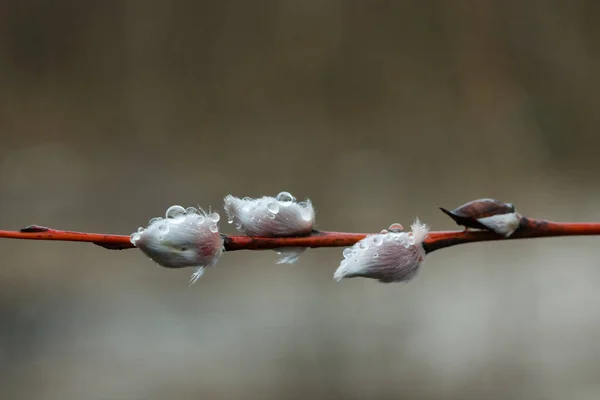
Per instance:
(379,111)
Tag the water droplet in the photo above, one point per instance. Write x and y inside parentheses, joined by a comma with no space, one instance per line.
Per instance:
(154,220)
(192,211)
(134,238)
(214,228)
(200,220)
(376,255)
(377,240)
(273,207)
(175,211)
(347,252)
(272,216)
(214,217)
(363,245)
(305,204)
(229,220)
(247,198)
(384,232)
(396,227)
(306,216)
(140,229)
(285,198)
(238,226)
(406,244)
(163,227)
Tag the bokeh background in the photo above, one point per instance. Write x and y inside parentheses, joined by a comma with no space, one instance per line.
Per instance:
(379,111)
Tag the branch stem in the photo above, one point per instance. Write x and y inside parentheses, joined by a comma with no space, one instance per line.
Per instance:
(529,228)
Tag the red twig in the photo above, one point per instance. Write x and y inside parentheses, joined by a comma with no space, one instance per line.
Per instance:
(35,232)
(529,228)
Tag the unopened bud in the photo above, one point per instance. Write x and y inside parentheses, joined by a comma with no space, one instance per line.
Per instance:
(489,214)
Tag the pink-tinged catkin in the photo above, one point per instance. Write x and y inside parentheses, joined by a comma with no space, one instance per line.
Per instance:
(279,216)
(184,238)
(390,256)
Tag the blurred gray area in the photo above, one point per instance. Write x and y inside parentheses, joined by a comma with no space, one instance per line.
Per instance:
(379,111)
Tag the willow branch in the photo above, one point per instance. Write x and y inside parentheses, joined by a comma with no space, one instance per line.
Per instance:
(528,229)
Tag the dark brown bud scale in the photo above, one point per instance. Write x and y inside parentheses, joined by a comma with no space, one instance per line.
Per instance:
(468,214)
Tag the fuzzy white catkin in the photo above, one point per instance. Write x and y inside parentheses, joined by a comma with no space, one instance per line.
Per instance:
(279,216)
(388,257)
(184,238)
(504,224)
(266,216)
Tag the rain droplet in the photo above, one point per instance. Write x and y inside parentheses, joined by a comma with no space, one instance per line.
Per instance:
(140,229)
(175,211)
(347,252)
(396,227)
(376,255)
(363,245)
(272,216)
(304,204)
(134,238)
(306,216)
(155,220)
(214,217)
(384,232)
(377,240)
(214,228)
(285,198)
(273,207)
(192,210)
(163,227)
